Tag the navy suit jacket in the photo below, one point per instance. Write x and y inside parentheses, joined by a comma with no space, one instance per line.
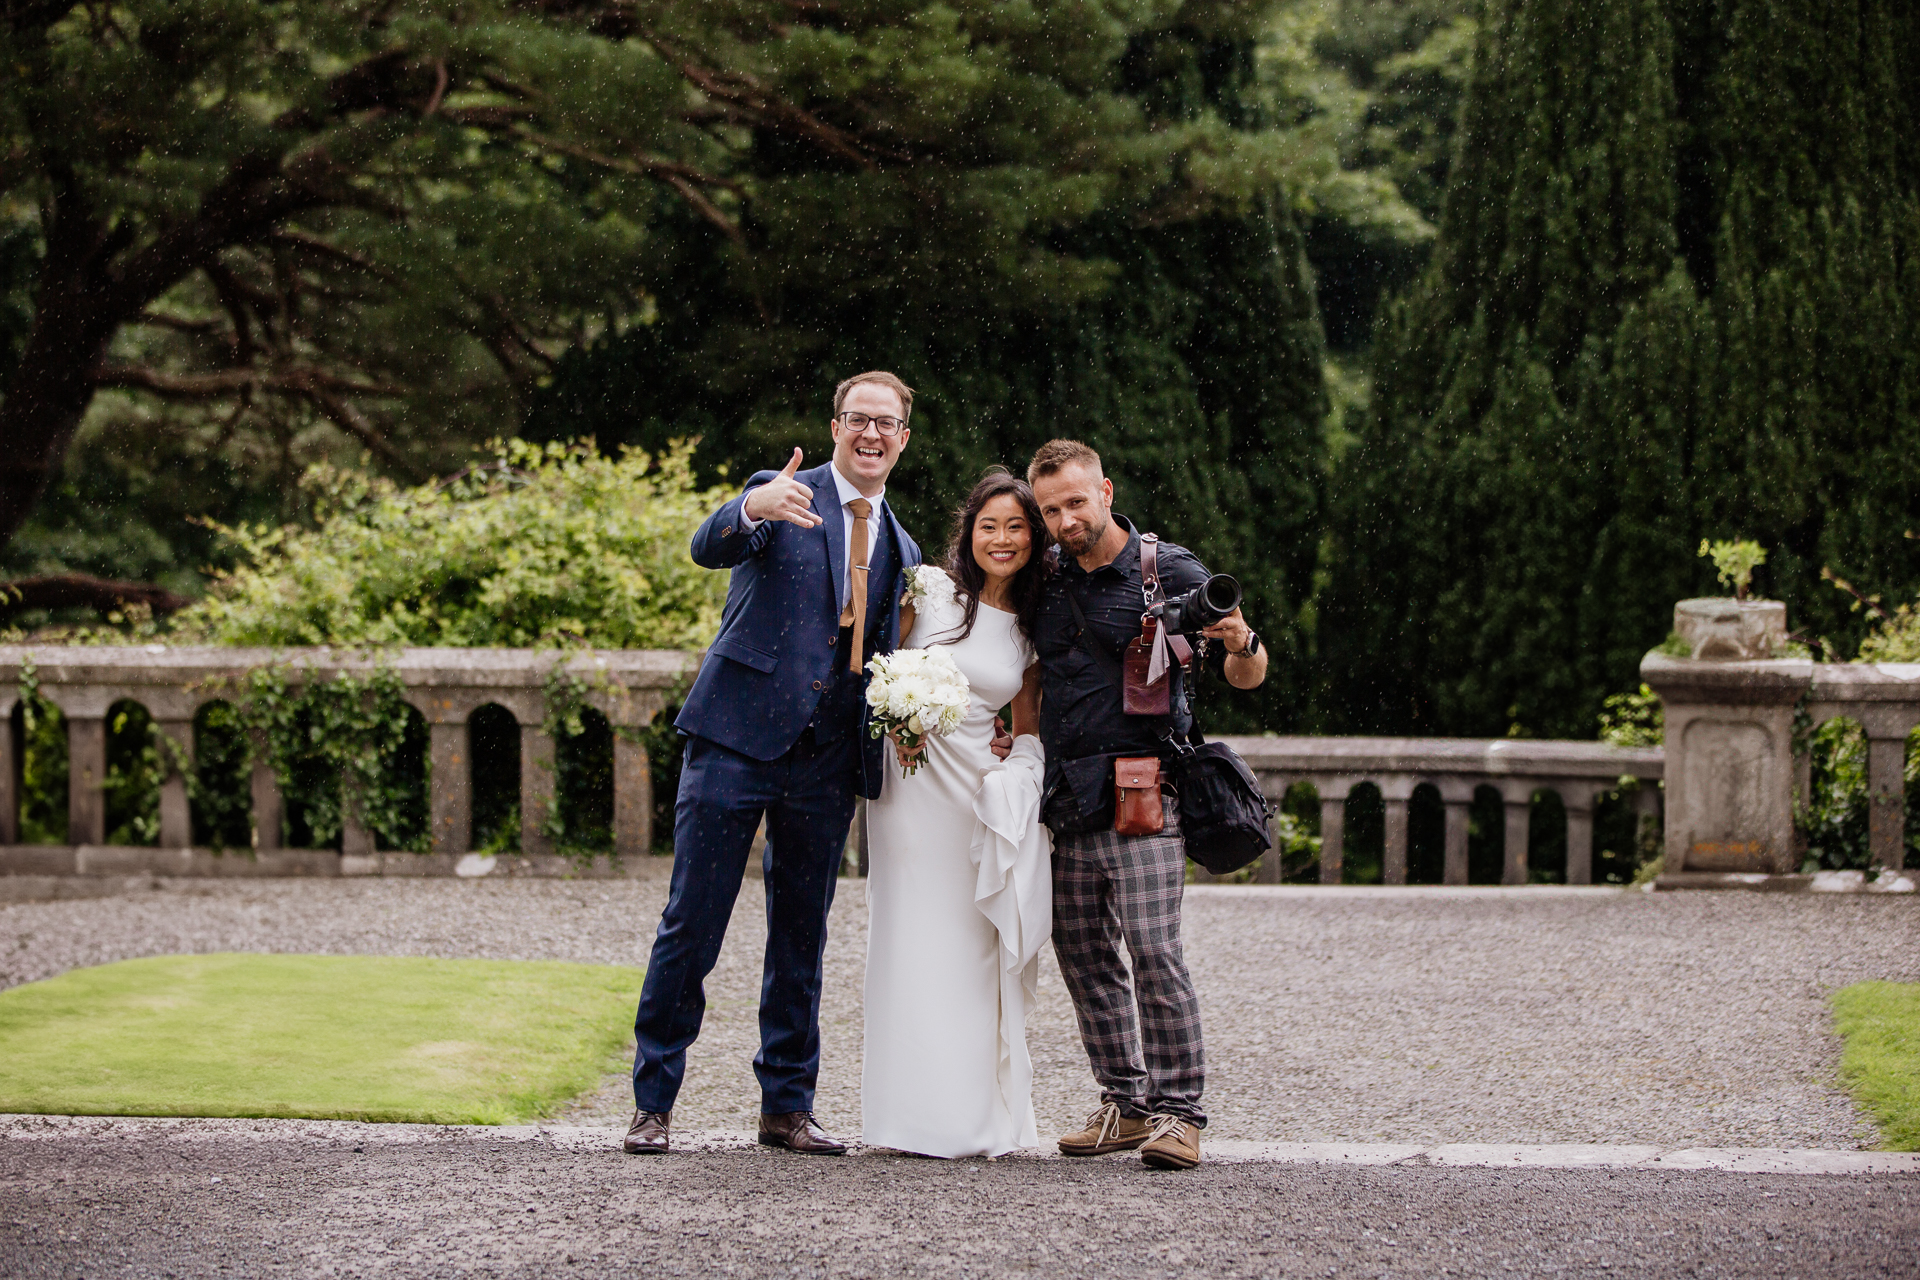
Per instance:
(762,678)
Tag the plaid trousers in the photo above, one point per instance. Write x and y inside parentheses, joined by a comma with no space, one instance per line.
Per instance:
(1142,1032)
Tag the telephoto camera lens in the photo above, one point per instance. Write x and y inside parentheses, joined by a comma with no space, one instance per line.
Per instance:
(1203,606)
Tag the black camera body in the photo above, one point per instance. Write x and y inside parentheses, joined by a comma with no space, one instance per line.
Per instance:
(1201,607)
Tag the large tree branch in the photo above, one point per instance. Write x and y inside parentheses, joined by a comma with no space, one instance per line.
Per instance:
(298,379)
(769,108)
(83,591)
(678,176)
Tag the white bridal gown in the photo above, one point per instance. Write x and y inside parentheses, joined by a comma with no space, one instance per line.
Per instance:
(959,895)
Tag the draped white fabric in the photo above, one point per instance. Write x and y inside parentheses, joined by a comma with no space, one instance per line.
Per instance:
(1013,888)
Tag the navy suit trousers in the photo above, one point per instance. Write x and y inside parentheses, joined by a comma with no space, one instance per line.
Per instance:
(807,798)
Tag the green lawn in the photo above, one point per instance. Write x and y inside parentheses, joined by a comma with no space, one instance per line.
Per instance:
(327,1037)
(1880,1022)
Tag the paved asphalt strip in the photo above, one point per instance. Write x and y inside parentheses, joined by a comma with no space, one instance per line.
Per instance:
(97,1197)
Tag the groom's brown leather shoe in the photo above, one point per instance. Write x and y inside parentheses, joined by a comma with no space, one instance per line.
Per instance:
(647,1135)
(798,1131)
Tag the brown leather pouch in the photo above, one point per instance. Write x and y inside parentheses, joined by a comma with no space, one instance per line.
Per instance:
(1136,796)
(1138,697)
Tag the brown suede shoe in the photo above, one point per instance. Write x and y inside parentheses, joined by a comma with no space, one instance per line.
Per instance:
(647,1135)
(798,1131)
(1107,1130)
(1174,1144)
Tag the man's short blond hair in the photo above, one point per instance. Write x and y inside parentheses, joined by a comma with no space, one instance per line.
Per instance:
(1055,454)
(880,376)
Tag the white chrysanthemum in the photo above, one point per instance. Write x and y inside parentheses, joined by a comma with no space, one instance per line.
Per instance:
(929,584)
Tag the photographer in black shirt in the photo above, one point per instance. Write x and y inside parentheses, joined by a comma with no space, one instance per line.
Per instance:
(1142,1036)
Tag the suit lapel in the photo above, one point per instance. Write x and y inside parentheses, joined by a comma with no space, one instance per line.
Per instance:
(826,505)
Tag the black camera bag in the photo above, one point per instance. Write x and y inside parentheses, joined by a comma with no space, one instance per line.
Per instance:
(1224,817)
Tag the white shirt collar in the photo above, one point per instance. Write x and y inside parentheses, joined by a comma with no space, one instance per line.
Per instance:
(848,493)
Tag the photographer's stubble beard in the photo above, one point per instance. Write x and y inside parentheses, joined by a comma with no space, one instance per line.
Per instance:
(1078,505)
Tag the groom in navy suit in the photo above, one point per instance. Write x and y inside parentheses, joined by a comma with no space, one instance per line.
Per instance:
(776,727)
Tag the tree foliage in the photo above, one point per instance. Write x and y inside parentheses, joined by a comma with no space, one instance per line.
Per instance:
(285,218)
(1673,298)
(1052,220)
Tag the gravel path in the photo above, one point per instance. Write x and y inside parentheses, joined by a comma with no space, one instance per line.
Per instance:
(195,1200)
(1353,1016)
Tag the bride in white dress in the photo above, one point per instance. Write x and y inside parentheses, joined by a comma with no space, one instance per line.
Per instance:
(959,884)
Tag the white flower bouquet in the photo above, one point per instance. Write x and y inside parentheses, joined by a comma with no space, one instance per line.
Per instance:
(916,694)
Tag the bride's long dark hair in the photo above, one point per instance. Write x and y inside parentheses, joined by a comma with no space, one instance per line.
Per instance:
(969,578)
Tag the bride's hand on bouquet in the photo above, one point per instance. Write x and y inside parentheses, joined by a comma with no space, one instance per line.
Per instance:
(908,755)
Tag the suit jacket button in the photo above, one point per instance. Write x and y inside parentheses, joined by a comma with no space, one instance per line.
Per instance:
(832,641)
(816,684)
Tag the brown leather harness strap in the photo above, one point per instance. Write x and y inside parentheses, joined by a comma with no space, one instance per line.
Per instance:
(1154,594)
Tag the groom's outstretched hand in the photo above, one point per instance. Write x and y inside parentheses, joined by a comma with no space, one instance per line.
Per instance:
(1002,744)
(783,498)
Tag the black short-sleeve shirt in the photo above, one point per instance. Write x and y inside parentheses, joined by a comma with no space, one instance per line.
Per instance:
(1080,706)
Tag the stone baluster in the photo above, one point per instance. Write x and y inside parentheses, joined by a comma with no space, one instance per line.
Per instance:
(1577,798)
(269,806)
(1458,797)
(1519,801)
(536,789)
(1887,801)
(356,837)
(1333,822)
(9,772)
(1269,869)
(1396,795)
(632,798)
(450,787)
(176,815)
(86,778)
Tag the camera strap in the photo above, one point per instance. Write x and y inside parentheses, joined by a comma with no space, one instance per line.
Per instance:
(1152,594)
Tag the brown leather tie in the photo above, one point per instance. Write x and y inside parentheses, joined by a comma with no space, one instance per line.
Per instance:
(855,614)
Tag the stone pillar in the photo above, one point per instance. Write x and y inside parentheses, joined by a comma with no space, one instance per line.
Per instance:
(1887,802)
(1519,802)
(269,809)
(536,789)
(176,815)
(9,782)
(632,799)
(86,775)
(1459,814)
(1730,771)
(1578,801)
(450,788)
(1396,795)
(1333,837)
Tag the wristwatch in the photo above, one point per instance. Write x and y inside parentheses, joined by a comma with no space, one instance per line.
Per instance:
(1253,645)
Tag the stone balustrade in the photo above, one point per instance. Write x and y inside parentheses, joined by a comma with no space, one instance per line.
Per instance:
(1457,768)
(446,686)
(1736,738)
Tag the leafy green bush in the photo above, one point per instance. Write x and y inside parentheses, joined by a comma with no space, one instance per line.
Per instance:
(545,545)
(1635,719)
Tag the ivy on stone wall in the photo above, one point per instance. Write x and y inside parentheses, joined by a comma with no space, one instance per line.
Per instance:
(351,744)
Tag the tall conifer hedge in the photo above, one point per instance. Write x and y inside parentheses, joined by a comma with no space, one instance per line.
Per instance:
(1675,295)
